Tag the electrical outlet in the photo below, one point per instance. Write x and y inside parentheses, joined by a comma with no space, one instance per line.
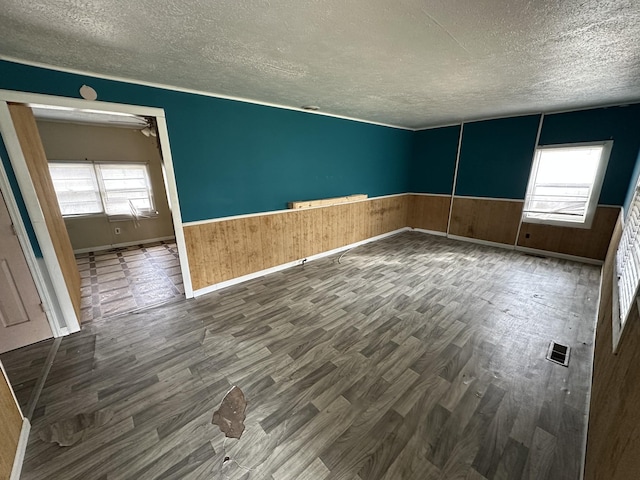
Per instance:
(117,230)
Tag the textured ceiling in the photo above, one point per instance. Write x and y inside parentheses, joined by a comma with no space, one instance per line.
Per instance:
(410,63)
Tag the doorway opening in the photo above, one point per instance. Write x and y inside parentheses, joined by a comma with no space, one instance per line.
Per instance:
(107,172)
(127,238)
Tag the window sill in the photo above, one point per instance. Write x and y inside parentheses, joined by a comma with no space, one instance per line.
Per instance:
(112,218)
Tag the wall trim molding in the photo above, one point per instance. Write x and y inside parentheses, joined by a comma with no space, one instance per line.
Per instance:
(495,199)
(423,194)
(123,244)
(430,232)
(289,210)
(563,256)
(284,266)
(479,241)
(202,93)
(286,210)
(18,460)
(455,175)
(529,114)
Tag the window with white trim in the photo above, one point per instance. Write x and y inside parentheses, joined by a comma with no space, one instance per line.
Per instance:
(627,271)
(115,189)
(565,184)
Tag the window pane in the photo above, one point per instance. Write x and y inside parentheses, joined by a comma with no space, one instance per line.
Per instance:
(76,188)
(127,189)
(563,183)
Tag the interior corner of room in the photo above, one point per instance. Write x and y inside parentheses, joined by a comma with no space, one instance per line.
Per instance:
(220,194)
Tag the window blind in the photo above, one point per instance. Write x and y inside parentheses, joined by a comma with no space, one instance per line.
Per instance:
(76,188)
(628,259)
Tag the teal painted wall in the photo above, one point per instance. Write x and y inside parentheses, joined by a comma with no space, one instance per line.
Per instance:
(19,200)
(235,158)
(434,160)
(632,186)
(496,156)
(620,124)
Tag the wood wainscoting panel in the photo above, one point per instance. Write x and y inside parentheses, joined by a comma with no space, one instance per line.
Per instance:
(581,242)
(429,212)
(11,422)
(486,219)
(29,137)
(227,249)
(613,439)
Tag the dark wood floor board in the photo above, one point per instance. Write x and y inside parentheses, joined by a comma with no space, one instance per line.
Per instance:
(540,459)
(162,454)
(497,435)
(414,357)
(513,461)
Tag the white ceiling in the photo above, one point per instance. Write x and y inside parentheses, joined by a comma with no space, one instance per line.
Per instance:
(409,63)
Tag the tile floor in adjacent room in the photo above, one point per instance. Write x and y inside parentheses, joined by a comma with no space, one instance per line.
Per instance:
(129,278)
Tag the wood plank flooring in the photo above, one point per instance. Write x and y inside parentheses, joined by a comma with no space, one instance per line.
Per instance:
(415,357)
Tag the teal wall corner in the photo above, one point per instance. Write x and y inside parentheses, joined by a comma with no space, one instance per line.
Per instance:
(433,162)
(496,157)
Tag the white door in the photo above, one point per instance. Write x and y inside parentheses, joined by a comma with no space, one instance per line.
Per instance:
(22,319)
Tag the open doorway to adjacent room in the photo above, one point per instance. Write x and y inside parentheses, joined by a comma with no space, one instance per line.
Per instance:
(107,172)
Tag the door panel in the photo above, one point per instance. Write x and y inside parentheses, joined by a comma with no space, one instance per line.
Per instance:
(22,320)
(12,309)
(29,137)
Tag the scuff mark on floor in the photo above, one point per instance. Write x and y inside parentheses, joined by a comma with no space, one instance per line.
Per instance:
(69,431)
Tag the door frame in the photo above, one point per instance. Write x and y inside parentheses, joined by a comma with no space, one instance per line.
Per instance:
(54,293)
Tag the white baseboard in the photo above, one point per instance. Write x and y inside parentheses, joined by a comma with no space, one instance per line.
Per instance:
(564,256)
(430,232)
(251,276)
(124,244)
(21,450)
(481,242)
(533,251)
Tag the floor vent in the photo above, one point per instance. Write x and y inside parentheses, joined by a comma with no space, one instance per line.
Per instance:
(558,354)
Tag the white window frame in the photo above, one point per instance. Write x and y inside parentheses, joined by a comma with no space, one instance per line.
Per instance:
(592,202)
(626,270)
(102,191)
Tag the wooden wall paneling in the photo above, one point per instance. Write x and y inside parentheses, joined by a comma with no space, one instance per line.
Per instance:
(388,210)
(239,245)
(38,167)
(325,202)
(315,227)
(228,249)
(216,238)
(293,234)
(589,243)
(224,232)
(195,253)
(486,219)
(11,422)
(388,214)
(254,229)
(346,222)
(360,221)
(429,212)
(273,245)
(330,226)
(613,438)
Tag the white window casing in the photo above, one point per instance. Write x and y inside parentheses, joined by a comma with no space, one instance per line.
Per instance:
(565,183)
(627,268)
(117,189)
